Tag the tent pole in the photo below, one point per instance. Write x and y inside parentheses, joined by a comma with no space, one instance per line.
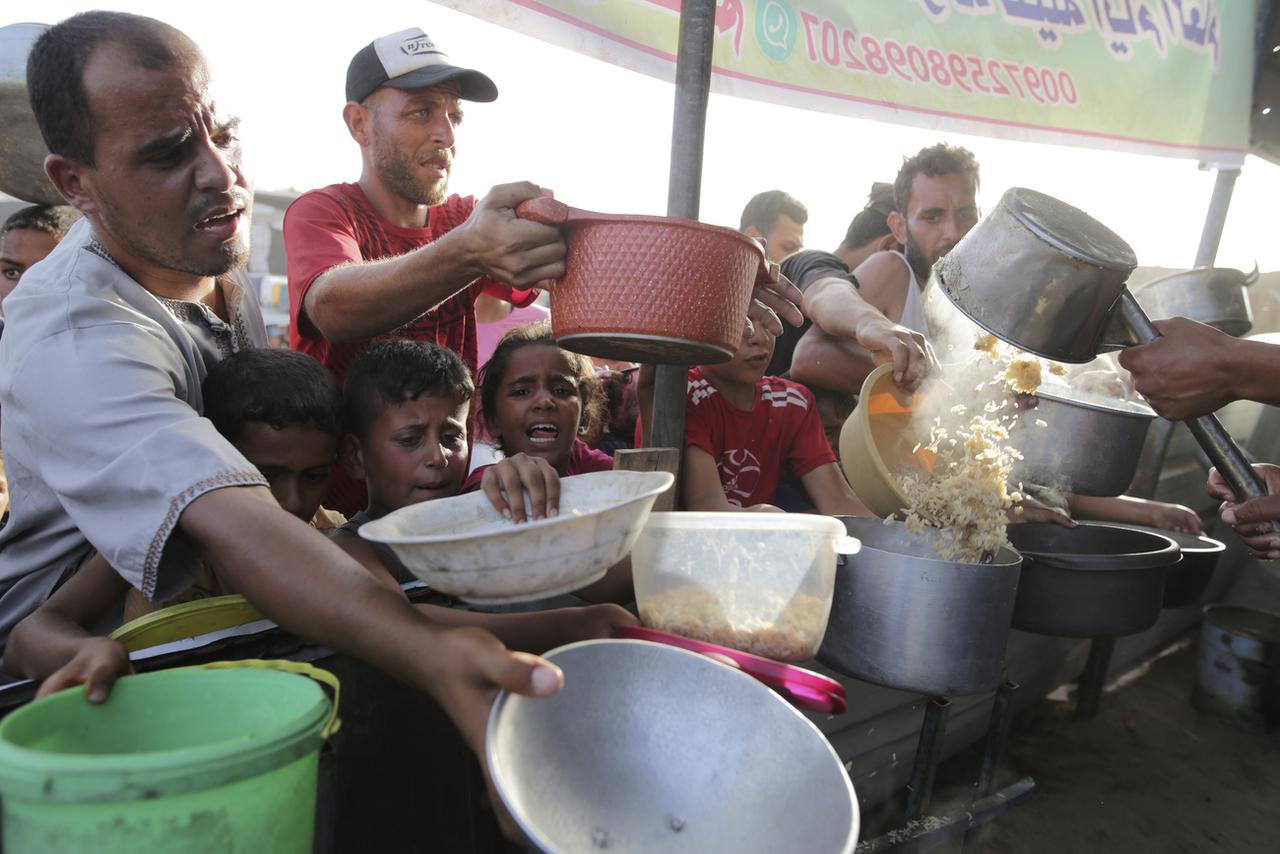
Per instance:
(1216,218)
(1151,462)
(693,88)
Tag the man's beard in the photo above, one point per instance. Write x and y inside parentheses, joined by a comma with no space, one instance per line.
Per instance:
(397,170)
(230,256)
(921,264)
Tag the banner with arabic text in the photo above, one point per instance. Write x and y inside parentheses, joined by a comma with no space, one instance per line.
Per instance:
(1166,77)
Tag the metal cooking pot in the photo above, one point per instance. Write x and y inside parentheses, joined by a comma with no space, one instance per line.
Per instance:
(1089,581)
(905,619)
(1039,274)
(652,748)
(1048,278)
(22,149)
(1211,295)
(650,288)
(1086,448)
(1185,582)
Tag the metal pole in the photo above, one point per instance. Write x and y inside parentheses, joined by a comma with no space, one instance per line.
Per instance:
(693,91)
(1216,218)
(997,739)
(1089,691)
(928,751)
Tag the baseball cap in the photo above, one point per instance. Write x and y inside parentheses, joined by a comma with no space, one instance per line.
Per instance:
(409,59)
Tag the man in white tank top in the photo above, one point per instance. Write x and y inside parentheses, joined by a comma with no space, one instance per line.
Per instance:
(934,206)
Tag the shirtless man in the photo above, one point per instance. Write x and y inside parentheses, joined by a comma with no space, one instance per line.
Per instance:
(934,206)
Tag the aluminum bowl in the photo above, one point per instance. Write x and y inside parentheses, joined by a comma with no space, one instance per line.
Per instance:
(462,547)
(652,748)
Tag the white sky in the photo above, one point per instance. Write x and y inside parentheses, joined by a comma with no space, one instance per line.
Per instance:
(600,136)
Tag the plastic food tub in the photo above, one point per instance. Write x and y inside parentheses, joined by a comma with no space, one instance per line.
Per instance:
(757,582)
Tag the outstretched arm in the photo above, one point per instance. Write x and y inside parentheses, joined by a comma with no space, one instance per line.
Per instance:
(360,300)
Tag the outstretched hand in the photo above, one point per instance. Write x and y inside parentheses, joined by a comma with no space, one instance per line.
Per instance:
(1252,520)
(479,667)
(505,247)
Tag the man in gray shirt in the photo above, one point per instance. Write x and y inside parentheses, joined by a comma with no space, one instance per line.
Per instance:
(100,371)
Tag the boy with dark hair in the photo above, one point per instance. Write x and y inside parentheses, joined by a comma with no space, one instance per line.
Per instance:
(745,432)
(407,406)
(283,411)
(27,236)
(778,219)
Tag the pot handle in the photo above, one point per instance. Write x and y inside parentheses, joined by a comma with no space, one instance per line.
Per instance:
(1207,429)
(544,209)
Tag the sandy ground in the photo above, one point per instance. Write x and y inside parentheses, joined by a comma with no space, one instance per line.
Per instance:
(1148,774)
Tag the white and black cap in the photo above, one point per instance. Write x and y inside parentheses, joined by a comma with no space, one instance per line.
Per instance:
(409,59)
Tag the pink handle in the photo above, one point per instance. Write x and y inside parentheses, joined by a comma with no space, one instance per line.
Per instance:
(805,689)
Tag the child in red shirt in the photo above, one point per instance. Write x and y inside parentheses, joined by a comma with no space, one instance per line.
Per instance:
(538,399)
(744,431)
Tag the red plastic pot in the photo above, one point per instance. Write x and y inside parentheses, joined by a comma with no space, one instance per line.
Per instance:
(648,288)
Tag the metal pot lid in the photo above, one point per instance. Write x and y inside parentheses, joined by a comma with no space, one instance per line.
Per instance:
(1069,229)
(804,689)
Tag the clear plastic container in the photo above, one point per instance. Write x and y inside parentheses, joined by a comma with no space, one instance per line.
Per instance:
(757,582)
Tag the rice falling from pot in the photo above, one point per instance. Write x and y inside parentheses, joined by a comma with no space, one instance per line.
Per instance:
(966,495)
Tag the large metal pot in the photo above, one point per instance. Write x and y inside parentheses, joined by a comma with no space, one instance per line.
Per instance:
(22,149)
(1186,581)
(1086,448)
(652,748)
(650,288)
(1216,296)
(1040,274)
(1089,581)
(1048,278)
(905,619)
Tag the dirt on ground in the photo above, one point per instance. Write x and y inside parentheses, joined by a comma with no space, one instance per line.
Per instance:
(1148,774)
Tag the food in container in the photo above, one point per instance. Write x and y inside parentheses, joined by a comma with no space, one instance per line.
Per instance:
(757,582)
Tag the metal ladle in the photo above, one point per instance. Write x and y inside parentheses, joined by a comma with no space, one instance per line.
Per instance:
(1047,278)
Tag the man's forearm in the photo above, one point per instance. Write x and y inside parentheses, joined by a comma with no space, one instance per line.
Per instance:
(835,306)
(1257,372)
(358,301)
(309,586)
(830,363)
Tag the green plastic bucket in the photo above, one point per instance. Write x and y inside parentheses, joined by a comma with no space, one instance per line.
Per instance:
(216,758)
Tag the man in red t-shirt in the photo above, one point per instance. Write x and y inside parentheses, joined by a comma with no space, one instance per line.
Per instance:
(744,432)
(392,254)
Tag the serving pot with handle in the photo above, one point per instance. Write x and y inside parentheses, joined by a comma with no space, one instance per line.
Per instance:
(1215,296)
(649,288)
(1049,279)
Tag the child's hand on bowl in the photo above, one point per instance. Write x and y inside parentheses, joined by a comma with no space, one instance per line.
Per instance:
(507,481)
